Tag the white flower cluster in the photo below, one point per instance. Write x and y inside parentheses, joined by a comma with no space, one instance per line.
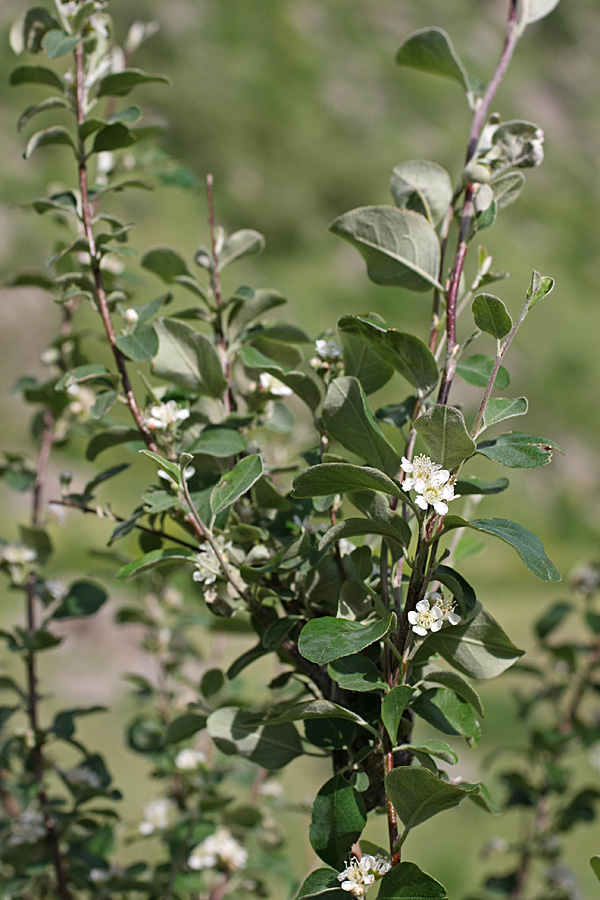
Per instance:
(80,776)
(361,873)
(328,349)
(29,828)
(208,567)
(157,815)
(219,849)
(17,554)
(430,482)
(165,416)
(431,613)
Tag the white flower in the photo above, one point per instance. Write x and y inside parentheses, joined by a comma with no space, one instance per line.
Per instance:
(220,848)
(165,416)
(188,760)
(157,814)
(379,865)
(208,567)
(17,554)
(436,493)
(27,829)
(271,788)
(274,386)
(447,608)
(328,349)
(80,775)
(357,876)
(83,400)
(131,316)
(424,618)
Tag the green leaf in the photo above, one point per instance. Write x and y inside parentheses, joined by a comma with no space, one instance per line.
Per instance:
(436,749)
(57,43)
(165,263)
(84,598)
(540,287)
(533,10)
(552,618)
(236,483)
(356,673)
(395,530)
(155,559)
(408,354)
(188,359)
(248,305)
(422,186)
(110,438)
(417,794)
(322,883)
(518,450)
(399,246)
(491,315)
(339,478)
(184,727)
(29,29)
(479,648)
(318,709)
(348,418)
(407,882)
(63,725)
(298,382)
(245,242)
(36,75)
(528,545)
(393,705)
(500,408)
(141,346)
(456,683)
(476,370)
(448,712)
(219,442)
(36,108)
(118,84)
(366,365)
(39,540)
(57,135)
(129,115)
(431,50)
(162,462)
(507,188)
(338,818)
(595,864)
(444,432)
(113,137)
(234,731)
(327,638)
(470,484)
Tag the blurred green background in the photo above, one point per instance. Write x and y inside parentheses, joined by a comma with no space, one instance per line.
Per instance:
(300,113)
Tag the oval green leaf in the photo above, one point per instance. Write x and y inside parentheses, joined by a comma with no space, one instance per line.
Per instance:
(417,794)
(399,246)
(491,315)
(476,370)
(444,432)
(236,483)
(340,478)
(327,638)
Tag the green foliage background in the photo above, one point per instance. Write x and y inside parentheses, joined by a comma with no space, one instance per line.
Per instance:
(300,113)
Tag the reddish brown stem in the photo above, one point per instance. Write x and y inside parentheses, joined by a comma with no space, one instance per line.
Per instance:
(101,298)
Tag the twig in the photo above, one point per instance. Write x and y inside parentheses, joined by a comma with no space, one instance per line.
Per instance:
(101,298)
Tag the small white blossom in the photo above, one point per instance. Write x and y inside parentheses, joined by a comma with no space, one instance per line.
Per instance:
(208,567)
(165,416)
(436,494)
(17,554)
(83,400)
(131,316)
(157,814)
(188,760)
(80,775)
(357,876)
(271,788)
(328,349)
(447,608)
(424,619)
(219,849)
(272,385)
(27,829)
(379,865)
